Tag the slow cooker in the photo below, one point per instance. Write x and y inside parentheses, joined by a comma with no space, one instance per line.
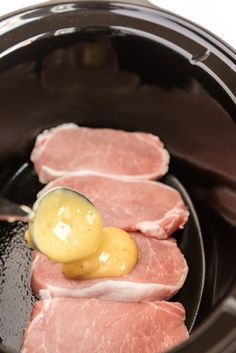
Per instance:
(155,72)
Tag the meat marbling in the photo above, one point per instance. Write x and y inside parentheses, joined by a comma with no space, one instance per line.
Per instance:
(151,207)
(159,273)
(69,148)
(94,326)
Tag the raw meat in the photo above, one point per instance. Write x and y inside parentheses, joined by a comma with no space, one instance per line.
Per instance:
(94,326)
(159,273)
(153,208)
(69,148)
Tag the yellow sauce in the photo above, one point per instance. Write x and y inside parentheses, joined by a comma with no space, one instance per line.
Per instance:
(28,238)
(94,55)
(116,256)
(67,228)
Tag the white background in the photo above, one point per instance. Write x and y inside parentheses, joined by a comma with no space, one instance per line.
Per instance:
(218,16)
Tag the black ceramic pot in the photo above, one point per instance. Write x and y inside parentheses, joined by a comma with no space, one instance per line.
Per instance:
(127,65)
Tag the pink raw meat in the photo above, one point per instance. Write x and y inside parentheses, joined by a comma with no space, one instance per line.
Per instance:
(62,325)
(69,149)
(159,273)
(153,208)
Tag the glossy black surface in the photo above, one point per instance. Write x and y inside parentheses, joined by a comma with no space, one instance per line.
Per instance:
(157,73)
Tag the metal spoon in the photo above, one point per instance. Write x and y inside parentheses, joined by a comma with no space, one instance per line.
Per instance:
(12,212)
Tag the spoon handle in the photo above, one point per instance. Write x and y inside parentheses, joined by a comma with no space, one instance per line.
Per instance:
(11,211)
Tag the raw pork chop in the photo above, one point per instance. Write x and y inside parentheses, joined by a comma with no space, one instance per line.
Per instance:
(62,325)
(159,273)
(69,148)
(153,208)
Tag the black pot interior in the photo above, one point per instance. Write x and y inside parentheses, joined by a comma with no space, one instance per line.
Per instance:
(137,82)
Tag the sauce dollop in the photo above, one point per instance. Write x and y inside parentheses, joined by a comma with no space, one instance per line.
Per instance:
(66,227)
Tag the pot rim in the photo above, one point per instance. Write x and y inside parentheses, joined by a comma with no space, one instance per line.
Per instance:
(225,54)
